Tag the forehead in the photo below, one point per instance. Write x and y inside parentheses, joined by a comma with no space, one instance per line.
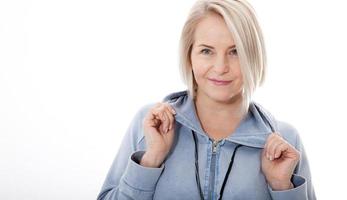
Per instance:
(213,30)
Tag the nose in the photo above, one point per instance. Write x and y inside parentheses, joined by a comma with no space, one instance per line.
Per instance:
(221,64)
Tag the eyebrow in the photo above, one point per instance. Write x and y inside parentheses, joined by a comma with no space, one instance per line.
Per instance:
(211,47)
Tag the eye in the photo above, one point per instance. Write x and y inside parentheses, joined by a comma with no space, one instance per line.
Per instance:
(233,52)
(206,51)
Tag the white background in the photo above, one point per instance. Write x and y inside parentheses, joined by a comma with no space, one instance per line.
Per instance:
(73,74)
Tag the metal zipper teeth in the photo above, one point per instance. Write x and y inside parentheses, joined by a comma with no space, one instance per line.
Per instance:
(214,146)
(214,150)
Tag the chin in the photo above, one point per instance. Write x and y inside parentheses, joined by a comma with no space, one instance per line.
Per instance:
(224,96)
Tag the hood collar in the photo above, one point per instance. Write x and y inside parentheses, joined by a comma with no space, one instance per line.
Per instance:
(252,131)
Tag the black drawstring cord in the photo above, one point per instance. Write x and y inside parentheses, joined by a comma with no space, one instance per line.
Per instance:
(229,169)
(197,177)
(264,117)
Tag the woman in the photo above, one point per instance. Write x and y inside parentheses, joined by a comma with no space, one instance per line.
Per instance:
(212,141)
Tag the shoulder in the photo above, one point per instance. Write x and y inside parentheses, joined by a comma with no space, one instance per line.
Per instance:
(135,129)
(143,110)
(289,132)
(136,126)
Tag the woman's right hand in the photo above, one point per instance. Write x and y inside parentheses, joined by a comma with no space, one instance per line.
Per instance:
(159,126)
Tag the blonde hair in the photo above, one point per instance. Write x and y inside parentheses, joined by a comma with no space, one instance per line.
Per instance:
(241,20)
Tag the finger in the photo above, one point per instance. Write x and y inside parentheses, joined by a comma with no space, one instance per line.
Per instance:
(279,149)
(171,118)
(274,144)
(159,113)
(290,151)
(271,139)
(155,122)
(163,117)
(166,126)
(274,140)
(171,109)
(148,118)
(164,113)
(272,149)
(169,115)
(160,118)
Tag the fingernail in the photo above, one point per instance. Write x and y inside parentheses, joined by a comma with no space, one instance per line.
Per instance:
(174,112)
(270,158)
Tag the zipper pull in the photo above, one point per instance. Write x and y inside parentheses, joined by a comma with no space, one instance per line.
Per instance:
(214,146)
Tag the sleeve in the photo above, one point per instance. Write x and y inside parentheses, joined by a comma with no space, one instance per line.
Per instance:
(127,179)
(301,179)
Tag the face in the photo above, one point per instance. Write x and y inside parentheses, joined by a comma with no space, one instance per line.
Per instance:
(215,61)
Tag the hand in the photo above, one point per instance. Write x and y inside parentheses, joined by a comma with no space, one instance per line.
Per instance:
(158,127)
(279,159)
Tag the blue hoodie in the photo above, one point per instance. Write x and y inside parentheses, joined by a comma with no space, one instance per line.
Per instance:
(176,177)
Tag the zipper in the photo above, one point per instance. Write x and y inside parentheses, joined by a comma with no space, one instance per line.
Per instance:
(212,169)
(214,146)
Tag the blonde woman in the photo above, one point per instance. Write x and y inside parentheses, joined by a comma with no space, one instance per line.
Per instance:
(212,141)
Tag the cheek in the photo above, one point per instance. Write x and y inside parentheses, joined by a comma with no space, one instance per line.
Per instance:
(237,70)
(200,67)
(239,76)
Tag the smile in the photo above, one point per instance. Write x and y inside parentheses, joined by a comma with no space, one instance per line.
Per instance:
(220,82)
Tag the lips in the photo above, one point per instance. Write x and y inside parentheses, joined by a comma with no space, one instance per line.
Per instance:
(220,82)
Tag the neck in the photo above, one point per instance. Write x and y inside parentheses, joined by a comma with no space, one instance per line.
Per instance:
(218,119)
(218,109)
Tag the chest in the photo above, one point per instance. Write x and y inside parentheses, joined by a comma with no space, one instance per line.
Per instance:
(218,131)
(178,180)
(218,128)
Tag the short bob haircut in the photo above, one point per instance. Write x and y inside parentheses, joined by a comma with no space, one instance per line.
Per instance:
(241,20)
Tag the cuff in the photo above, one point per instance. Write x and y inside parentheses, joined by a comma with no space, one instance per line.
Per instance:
(298,192)
(139,177)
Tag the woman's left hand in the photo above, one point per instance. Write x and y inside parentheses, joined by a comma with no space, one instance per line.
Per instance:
(279,159)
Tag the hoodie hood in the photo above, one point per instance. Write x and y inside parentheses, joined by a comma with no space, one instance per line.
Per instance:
(252,131)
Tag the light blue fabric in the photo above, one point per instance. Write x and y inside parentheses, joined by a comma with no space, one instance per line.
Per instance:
(175,178)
